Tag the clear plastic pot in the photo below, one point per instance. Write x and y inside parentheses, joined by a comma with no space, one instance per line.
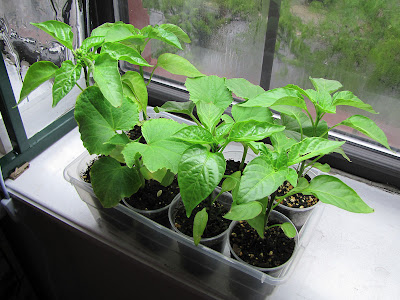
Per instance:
(299,216)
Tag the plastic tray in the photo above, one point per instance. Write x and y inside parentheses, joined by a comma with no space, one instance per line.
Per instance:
(217,274)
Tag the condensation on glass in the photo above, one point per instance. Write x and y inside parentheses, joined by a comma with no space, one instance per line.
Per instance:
(357,44)
(227,37)
(22,44)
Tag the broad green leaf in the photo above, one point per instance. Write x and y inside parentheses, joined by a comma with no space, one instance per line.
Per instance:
(161,149)
(199,171)
(332,190)
(92,42)
(177,31)
(112,182)
(259,180)
(58,30)
(222,132)
(248,131)
(119,139)
(310,147)
(209,89)
(280,142)
(209,114)
(292,117)
(288,229)
(279,96)
(322,101)
(138,88)
(38,73)
(163,176)
(163,35)
(259,222)
(349,99)
(102,30)
(64,80)
(322,84)
(176,107)
(243,88)
(297,88)
(199,225)
(231,182)
(322,167)
(98,121)
(118,32)
(292,177)
(108,79)
(262,114)
(119,51)
(178,65)
(342,153)
(195,135)
(227,119)
(244,211)
(368,127)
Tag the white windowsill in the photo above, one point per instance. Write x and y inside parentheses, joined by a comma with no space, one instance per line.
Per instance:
(350,256)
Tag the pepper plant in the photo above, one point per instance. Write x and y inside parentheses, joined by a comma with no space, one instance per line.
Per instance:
(297,149)
(111,103)
(203,164)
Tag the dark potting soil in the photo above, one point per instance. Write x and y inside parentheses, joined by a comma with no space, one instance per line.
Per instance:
(85,175)
(272,251)
(136,133)
(153,195)
(232,166)
(297,200)
(216,223)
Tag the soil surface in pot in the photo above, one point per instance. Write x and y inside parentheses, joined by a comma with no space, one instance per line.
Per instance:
(297,200)
(153,196)
(216,223)
(272,251)
(136,133)
(232,166)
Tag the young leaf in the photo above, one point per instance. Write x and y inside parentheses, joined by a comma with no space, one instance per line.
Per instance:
(281,142)
(368,127)
(292,177)
(161,149)
(176,107)
(279,96)
(258,223)
(209,114)
(178,65)
(322,167)
(199,225)
(163,35)
(195,135)
(112,182)
(38,73)
(102,30)
(118,32)
(288,229)
(248,131)
(322,84)
(108,79)
(98,120)
(349,99)
(65,79)
(199,171)
(243,88)
(262,114)
(310,147)
(163,176)
(322,101)
(332,190)
(119,51)
(138,88)
(58,30)
(209,89)
(259,180)
(177,31)
(92,42)
(244,211)
(231,182)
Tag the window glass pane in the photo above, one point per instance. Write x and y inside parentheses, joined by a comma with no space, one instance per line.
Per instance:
(227,36)
(22,44)
(354,42)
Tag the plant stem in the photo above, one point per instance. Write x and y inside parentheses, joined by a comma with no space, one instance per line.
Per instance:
(151,75)
(79,86)
(137,166)
(245,149)
(194,119)
(141,71)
